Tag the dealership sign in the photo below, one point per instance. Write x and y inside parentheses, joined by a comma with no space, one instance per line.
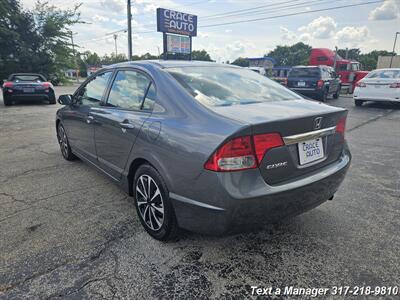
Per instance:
(171,21)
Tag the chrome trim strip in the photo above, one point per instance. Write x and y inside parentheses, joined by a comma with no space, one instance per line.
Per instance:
(294,139)
(193,202)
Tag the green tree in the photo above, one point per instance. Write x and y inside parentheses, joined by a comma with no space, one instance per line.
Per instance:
(201,55)
(352,54)
(370,60)
(113,59)
(37,40)
(241,61)
(297,54)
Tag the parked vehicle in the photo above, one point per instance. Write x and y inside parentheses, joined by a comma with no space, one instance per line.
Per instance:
(280,74)
(203,146)
(27,86)
(378,85)
(349,71)
(317,82)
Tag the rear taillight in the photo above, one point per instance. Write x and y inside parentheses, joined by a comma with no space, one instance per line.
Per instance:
(320,83)
(46,85)
(284,82)
(395,85)
(7,84)
(242,153)
(360,84)
(264,142)
(341,126)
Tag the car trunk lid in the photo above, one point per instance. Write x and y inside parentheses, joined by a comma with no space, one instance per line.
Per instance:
(298,122)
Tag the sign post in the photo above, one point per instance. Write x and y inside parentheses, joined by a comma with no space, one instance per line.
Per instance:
(178,28)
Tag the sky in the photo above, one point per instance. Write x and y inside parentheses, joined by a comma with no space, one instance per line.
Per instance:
(367,27)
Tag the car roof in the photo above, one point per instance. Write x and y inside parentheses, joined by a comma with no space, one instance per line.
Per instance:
(162,64)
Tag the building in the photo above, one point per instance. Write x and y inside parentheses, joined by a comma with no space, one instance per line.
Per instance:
(384,61)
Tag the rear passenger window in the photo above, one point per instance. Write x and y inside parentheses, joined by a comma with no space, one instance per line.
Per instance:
(128,90)
(150,98)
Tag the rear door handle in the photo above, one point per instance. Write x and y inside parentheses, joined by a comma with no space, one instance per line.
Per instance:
(126,125)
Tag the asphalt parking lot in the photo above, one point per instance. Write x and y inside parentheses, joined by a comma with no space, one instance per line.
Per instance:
(68,232)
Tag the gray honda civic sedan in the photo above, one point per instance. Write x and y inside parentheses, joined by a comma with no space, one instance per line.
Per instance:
(203,146)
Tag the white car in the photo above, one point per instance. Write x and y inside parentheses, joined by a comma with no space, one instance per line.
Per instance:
(378,85)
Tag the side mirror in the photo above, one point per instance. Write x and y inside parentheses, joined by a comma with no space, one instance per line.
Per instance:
(65,99)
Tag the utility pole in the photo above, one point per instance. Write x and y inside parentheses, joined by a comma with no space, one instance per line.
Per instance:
(335,58)
(115,41)
(129,15)
(394,47)
(75,61)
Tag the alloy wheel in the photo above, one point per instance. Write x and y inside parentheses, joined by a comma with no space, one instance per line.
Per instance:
(63,141)
(150,202)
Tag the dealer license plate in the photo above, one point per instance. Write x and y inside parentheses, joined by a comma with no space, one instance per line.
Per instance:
(310,151)
(301,83)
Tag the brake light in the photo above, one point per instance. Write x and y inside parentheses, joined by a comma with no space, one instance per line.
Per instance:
(264,142)
(341,126)
(360,84)
(395,85)
(46,85)
(7,84)
(242,153)
(320,83)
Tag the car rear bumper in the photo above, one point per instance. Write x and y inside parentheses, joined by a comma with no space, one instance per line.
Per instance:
(369,98)
(370,94)
(310,92)
(29,96)
(229,203)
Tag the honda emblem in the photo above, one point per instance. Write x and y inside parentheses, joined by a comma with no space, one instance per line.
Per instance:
(317,123)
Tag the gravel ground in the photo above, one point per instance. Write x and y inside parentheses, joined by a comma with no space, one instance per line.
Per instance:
(68,232)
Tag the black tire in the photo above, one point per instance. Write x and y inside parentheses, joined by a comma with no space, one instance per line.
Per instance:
(7,101)
(157,216)
(52,98)
(323,96)
(64,143)
(358,102)
(336,95)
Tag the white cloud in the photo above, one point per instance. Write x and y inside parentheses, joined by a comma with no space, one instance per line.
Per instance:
(117,6)
(305,37)
(320,28)
(150,7)
(352,35)
(99,18)
(389,10)
(287,35)
(113,5)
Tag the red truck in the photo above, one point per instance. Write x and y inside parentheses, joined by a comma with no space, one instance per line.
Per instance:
(348,70)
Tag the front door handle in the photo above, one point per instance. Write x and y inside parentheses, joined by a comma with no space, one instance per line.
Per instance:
(89,119)
(126,125)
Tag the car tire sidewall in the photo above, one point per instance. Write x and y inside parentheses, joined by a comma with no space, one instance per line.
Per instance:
(52,98)
(69,156)
(169,227)
(6,100)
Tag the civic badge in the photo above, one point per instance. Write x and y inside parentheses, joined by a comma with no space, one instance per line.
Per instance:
(317,123)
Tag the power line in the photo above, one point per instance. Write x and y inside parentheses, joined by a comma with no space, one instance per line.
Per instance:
(292,14)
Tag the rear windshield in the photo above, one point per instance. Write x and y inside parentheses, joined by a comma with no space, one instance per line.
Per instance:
(18,78)
(305,72)
(382,74)
(226,86)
